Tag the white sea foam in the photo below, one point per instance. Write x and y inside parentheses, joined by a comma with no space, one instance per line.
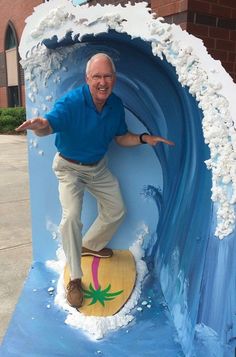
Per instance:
(205,78)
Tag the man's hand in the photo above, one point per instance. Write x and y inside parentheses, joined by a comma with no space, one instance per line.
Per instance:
(40,126)
(131,139)
(154,140)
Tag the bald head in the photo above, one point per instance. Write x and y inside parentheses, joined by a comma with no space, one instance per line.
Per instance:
(98,56)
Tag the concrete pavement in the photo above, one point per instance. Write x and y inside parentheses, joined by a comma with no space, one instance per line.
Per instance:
(15,225)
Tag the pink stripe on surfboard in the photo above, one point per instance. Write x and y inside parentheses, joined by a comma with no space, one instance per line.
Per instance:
(95,265)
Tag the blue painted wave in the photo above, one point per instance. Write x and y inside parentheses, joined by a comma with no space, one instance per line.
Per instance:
(179,249)
(188,266)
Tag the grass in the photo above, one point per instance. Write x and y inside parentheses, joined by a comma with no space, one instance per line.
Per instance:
(11,118)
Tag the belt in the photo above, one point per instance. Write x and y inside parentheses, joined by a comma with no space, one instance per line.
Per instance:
(79,162)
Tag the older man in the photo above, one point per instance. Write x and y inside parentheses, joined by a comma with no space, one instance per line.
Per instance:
(85,121)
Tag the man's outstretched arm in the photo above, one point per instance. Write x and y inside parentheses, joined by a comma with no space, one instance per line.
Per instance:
(40,126)
(131,139)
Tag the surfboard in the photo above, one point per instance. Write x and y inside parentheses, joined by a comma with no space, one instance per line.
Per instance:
(107,282)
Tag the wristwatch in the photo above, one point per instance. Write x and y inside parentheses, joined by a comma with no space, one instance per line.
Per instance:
(141,138)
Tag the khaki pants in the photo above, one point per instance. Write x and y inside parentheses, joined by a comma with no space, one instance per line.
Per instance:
(98,180)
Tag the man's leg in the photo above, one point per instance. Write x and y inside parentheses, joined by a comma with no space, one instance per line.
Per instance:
(71,190)
(111,209)
(71,196)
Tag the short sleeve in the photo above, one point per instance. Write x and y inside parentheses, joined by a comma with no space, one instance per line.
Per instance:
(59,116)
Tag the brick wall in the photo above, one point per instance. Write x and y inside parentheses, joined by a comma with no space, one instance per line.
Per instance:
(214,21)
(3,75)
(3,97)
(169,7)
(174,11)
(22,93)
(16,14)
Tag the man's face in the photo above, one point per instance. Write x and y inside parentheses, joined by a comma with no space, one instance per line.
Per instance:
(101,80)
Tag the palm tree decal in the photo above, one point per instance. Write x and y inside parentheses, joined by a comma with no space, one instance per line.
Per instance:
(96,293)
(100,295)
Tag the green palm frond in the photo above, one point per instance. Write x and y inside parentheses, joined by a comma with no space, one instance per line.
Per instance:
(100,295)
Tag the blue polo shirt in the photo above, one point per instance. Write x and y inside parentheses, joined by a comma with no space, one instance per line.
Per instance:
(83,133)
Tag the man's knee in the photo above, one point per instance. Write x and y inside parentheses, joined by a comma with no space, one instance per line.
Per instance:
(72,216)
(120,212)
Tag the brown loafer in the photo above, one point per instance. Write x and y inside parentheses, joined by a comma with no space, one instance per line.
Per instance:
(103,253)
(74,293)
